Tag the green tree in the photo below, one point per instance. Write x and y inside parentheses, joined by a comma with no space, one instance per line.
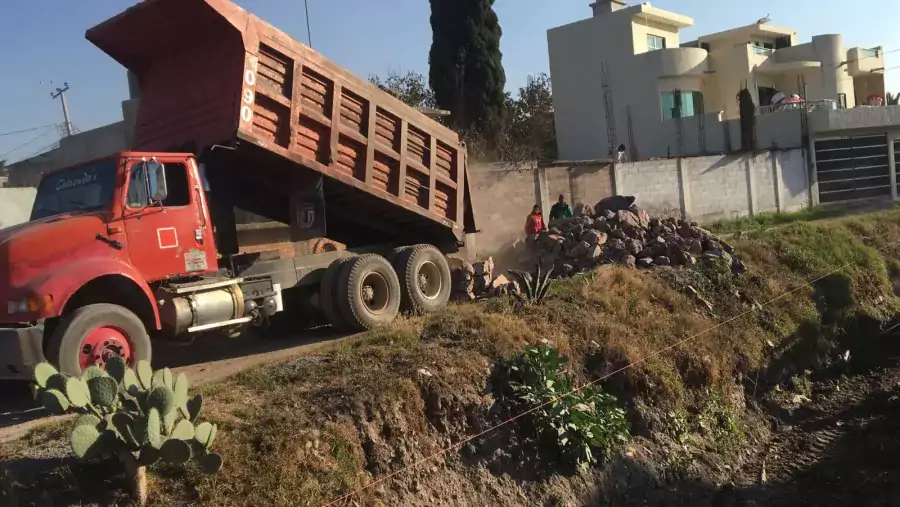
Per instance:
(530,127)
(893,99)
(412,88)
(466,69)
(3,170)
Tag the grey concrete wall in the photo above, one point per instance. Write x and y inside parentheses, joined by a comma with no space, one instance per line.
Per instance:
(655,184)
(718,187)
(15,205)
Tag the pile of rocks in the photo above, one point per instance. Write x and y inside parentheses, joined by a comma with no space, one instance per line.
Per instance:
(618,231)
(473,281)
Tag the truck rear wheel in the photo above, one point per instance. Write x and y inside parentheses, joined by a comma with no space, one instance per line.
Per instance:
(425,281)
(371,292)
(328,291)
(94,333)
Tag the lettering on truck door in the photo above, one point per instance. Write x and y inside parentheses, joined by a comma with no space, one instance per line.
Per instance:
(162,239)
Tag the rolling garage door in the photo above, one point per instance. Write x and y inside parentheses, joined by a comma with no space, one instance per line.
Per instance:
(853,168)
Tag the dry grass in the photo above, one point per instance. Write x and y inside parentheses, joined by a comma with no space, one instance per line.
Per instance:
(307,431)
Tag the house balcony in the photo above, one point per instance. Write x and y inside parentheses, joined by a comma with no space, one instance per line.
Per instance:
(678,62)
(865,61)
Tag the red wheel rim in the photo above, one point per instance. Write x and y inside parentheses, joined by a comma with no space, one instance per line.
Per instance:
(103,343)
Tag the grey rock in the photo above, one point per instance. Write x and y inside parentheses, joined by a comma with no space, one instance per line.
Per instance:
(696,247)
(618,234)
(613,203)
(594,237)
(629,261)
(662,260)
(634,246)
(595,252)
(645,262)
(579,250)
(615,245)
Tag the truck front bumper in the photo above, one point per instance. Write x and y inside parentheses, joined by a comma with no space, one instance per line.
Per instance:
(21,348)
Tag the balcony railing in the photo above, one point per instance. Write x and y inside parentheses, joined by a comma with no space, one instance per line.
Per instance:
(762,51)
(869,53)
(814,105)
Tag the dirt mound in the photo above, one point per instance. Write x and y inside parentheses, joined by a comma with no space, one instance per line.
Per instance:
(307,432)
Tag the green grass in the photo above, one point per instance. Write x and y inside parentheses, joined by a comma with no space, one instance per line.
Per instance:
(766,220)
(306,431)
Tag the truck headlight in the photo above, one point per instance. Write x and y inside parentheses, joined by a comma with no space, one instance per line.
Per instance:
(31,306)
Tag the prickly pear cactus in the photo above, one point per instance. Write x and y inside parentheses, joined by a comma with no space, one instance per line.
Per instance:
(146,414)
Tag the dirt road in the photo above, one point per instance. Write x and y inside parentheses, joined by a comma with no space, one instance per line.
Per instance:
(207,359)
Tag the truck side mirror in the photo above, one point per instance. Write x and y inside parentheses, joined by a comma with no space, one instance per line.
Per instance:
(156,173)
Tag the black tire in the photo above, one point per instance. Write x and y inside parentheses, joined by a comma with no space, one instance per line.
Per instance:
(64,347)
(328,291)
(375,272)
(397,253)
(414,264)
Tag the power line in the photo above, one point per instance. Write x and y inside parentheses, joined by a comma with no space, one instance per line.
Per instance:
(32,129)
(642,360)
(308,30)
(19,147)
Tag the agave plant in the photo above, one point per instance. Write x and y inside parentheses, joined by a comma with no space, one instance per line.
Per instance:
(533,287)
(140,417)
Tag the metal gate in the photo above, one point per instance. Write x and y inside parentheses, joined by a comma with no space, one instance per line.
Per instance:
(852,168)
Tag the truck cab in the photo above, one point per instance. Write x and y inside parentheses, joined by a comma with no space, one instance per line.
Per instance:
(368,196)
(102,235)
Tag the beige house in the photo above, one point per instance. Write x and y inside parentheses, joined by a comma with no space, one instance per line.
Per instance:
(633,58)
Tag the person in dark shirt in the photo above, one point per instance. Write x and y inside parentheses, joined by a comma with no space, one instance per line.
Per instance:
(534,224)
(561,209)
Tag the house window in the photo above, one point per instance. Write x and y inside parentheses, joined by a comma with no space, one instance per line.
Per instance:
(763,48)
(691,104)
(655,42)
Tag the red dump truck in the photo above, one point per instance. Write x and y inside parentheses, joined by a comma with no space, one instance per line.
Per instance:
(233,115)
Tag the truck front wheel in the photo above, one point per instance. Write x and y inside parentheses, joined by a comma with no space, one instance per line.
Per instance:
(92,334)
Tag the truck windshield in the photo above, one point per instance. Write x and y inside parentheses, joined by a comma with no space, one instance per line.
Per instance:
(84,187)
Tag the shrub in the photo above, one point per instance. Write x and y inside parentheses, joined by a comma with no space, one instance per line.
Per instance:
(577,425)
(138,417)
(533,288)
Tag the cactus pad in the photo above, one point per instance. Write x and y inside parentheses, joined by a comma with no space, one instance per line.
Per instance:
(54,401)
(205,433)
(104,391)
(181,390)
(77,393)
(115,366)
(130,382)
(87,420)
(192,408)
(154,432)
(210,463)
(145,374)
(93,371)
(43,372)
(148,456)
(184,430)
(162,399)
(83,438)
(176,452)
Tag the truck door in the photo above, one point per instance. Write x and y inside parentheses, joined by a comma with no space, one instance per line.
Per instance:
(165,239)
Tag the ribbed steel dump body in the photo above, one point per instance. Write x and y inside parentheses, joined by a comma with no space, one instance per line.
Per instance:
(212,74)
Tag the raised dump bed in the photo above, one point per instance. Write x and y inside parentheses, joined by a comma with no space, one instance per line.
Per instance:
(266,115)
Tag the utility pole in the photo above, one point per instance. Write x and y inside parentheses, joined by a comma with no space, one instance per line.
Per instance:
(61,93)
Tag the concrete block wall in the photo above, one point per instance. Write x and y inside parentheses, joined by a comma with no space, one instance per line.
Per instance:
(719,187)
(15,205)
(655,184)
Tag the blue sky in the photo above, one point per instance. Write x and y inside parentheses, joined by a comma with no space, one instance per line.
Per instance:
(42,44)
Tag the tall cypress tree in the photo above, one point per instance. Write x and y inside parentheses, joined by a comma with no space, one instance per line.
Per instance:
(466,70)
